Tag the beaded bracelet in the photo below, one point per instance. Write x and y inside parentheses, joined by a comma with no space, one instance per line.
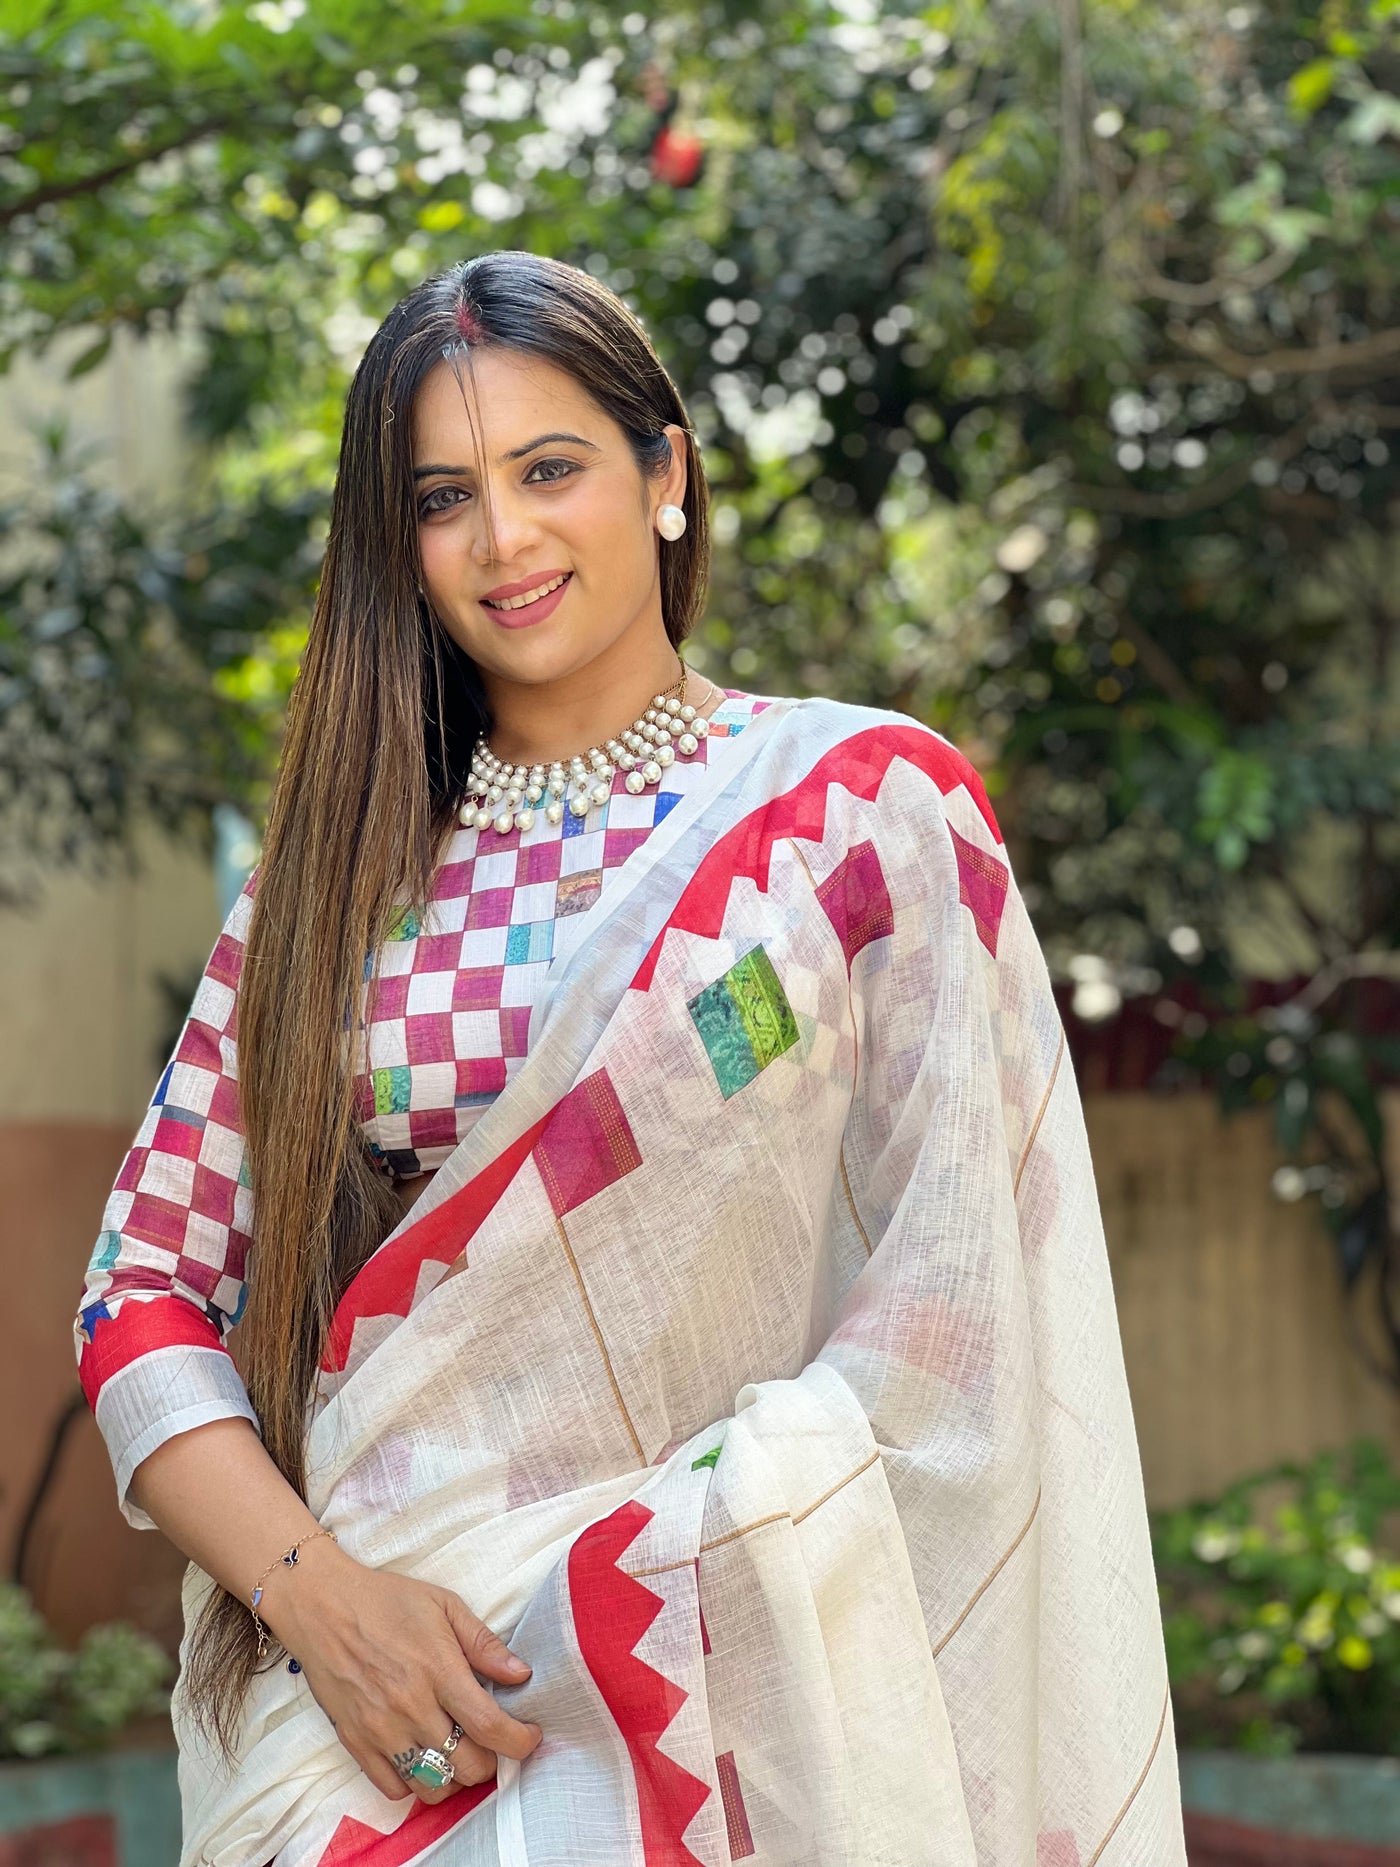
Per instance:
(289,1558)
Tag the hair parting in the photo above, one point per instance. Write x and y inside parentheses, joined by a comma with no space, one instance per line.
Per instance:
(469,323)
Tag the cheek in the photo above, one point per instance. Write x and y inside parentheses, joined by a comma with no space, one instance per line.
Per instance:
(439,547)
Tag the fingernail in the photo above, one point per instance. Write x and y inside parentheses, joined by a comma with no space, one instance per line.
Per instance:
(517,1666)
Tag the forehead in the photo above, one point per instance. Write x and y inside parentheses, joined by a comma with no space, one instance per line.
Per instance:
(512,398)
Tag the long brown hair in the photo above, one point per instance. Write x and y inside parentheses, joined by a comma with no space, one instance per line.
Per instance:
(378,742)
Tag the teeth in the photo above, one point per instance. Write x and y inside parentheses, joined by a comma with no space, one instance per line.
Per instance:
(533,596)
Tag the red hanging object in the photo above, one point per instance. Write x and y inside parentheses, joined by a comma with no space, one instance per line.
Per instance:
(676,157)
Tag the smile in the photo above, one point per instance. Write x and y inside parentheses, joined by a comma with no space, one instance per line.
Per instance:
(532,596)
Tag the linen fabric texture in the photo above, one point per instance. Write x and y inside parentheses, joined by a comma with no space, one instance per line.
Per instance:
(442,1024)
(752,1367)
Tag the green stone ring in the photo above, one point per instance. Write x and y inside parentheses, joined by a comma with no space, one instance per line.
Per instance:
(433,1769)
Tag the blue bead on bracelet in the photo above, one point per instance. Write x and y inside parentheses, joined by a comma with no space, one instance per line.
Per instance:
(288,1559)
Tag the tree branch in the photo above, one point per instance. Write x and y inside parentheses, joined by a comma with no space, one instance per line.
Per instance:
(103,178)
(1382,965)
(1211,291)
(1195,498)
(1320,359)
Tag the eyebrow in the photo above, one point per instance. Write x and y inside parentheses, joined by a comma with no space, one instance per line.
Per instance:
(516,453)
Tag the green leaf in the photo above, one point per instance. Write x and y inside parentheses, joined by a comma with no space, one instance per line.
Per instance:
(90,358)
(1310,87)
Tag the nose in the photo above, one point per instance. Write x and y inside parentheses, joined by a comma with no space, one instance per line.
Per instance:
(505,532)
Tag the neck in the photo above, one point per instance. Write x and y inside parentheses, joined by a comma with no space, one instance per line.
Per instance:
(537,722)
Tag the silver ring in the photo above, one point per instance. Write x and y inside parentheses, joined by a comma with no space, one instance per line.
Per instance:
(434,1769)
(430,1767)
(451,1743)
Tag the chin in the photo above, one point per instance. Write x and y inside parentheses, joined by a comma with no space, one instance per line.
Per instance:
(532,657)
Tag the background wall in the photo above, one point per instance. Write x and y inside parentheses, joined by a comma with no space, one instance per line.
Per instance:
(1235,1332)
(83,1022)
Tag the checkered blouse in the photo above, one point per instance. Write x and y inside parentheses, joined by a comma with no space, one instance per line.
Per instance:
(445,1023)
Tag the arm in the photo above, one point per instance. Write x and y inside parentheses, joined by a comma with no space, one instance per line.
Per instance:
(389,1659)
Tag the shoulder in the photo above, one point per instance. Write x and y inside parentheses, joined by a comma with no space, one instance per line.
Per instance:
(858,745)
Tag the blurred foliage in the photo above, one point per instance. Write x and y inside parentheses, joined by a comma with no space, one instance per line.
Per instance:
(1047,364)
(107,640)
(53,1700)
(1281,1607)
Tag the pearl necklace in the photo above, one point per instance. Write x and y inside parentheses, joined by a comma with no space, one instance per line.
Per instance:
(504,796)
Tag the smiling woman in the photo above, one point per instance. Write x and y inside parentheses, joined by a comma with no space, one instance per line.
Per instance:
(676,1248)
(556,490)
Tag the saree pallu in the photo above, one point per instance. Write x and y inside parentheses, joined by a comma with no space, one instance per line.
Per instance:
(752,1367)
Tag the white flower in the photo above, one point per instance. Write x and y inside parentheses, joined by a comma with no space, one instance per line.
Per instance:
(1213,1542)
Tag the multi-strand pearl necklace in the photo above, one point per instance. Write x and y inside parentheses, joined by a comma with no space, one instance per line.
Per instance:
(504,796)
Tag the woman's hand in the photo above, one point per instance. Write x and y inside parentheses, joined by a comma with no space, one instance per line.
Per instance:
(392,1662)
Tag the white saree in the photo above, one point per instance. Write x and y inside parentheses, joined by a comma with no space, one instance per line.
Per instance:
(752,1367)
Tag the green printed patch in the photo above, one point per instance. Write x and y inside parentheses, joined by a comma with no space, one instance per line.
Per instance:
(391,1090)
(710,1458)
(744,1020)
(404,926)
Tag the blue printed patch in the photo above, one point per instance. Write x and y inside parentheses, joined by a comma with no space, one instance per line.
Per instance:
(105,1255)
(95,1313)
(188,1118)
(529,941)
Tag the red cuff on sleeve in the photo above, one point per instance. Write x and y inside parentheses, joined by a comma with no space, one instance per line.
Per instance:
(138,1329)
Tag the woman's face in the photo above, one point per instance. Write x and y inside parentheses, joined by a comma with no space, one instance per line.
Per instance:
(568,501)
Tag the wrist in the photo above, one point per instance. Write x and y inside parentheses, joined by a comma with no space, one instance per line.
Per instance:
(297,1596)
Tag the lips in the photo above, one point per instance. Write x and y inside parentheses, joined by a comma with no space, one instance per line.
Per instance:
(519,595)
(518,612)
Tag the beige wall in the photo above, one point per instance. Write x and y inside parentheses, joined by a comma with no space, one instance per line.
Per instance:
(124,416)
(80,1007)
(1235,1333)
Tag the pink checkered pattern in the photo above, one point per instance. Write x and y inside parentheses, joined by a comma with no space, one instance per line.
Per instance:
(445,1023)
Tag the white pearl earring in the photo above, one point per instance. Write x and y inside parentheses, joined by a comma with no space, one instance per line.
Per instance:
(670,522)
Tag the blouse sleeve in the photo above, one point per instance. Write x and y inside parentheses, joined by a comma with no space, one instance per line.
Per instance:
(166,1281)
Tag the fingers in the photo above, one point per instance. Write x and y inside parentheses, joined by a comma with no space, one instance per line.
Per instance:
(396,1688)
(471,1763)
(484,1651)
(371,1759)
(484,1722)
(380,1772)
(404,1760)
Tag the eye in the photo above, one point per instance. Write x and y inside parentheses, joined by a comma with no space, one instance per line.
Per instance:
(567,467)
(426,507)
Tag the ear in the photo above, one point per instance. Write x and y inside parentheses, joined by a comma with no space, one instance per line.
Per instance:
(677,476)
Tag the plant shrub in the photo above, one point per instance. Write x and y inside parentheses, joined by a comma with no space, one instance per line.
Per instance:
(1281,1607)
(53,1700)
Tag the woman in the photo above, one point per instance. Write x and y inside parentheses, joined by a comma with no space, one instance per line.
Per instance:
(674,1249)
